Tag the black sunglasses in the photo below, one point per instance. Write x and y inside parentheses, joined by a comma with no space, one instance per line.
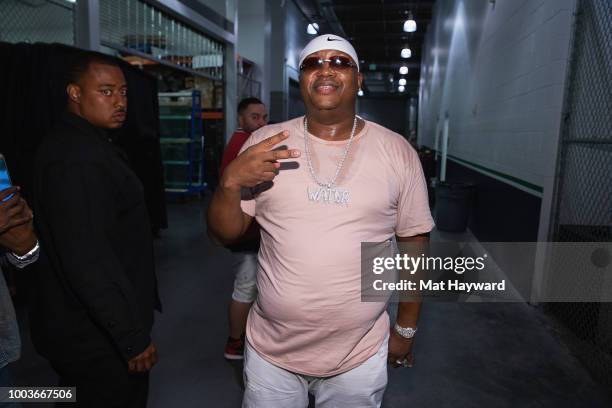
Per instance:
(336,62)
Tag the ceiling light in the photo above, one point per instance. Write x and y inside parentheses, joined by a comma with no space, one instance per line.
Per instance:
(402,81)
(360,93)
(313,29)
(410,26)
(401,88)
(403,70)
(406,52)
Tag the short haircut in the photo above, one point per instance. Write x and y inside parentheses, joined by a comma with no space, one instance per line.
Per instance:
(80,62)
(246,102)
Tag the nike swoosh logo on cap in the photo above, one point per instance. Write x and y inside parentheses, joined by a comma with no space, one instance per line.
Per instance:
(332,39)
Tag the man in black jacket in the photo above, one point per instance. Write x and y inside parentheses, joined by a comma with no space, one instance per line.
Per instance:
(96,290)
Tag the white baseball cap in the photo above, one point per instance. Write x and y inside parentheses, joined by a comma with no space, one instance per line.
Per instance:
(329,42)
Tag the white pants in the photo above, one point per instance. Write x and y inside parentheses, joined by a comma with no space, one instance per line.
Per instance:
(245,283)
(269,386)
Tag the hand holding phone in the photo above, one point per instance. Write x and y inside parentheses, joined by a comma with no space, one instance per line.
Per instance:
(5,178)
(16,226)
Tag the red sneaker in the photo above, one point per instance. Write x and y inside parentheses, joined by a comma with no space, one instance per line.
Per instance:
(234,349)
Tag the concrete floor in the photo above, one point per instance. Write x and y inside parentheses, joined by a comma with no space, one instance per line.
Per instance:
(466,355)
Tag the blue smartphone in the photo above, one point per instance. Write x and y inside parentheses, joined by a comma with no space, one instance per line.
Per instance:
(5,179)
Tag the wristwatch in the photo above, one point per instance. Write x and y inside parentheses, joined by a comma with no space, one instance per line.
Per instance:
(405,332)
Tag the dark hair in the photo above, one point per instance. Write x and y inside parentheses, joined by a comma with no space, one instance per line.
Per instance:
(246,102)
(80,62)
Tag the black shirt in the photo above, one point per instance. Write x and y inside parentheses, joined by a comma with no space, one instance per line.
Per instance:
(95,285)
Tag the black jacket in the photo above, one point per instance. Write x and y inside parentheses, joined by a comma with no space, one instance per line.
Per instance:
(95,288)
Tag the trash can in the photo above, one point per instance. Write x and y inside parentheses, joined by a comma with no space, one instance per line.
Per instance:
(453,205)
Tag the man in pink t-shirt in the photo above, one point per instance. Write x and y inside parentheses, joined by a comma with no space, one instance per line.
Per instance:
(342,181)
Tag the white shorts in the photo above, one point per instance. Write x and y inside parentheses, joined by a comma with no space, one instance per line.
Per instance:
(245,283)
(269,386)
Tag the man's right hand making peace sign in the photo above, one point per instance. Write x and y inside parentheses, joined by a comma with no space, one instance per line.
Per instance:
(257,164)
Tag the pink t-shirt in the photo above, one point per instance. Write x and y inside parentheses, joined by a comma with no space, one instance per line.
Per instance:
(309,317)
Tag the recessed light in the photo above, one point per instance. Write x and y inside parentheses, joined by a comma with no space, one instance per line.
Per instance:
(312,29)
(410,26)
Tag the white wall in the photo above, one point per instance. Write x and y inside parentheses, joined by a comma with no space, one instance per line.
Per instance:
(297,37)
(254,32)
(289,37)
(499,71)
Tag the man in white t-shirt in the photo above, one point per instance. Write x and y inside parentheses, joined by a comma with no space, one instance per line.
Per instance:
(342,181)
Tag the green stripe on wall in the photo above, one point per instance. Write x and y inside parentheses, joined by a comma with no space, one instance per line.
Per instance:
(523,183)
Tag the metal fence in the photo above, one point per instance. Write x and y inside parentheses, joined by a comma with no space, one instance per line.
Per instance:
(583,198)
(133,26)
(33,21)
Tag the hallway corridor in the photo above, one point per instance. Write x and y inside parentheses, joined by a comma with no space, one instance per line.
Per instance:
(466,355)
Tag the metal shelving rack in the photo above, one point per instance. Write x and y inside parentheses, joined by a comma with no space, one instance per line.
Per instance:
(182,141)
